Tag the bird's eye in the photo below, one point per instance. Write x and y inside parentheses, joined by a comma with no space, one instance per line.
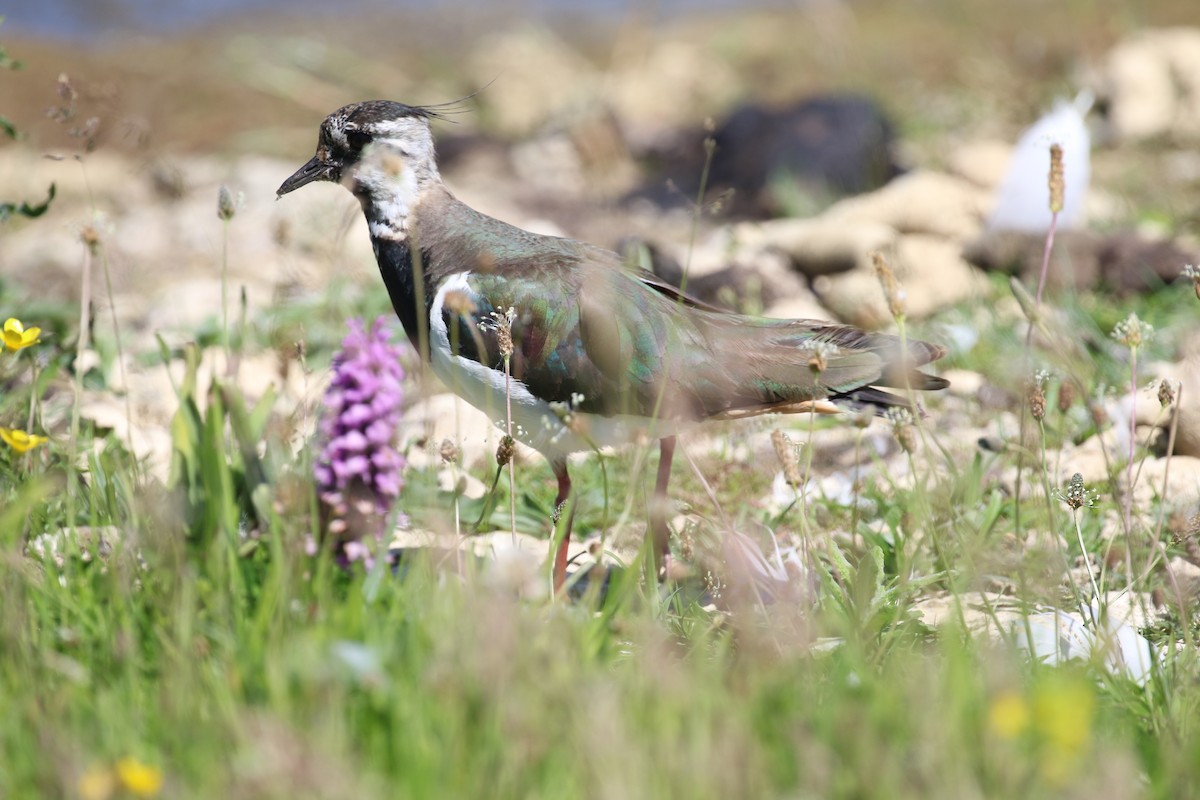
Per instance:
(357,139)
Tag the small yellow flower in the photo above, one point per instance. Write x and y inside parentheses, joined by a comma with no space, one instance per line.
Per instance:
(21,441)
(140,780)
(17,336)
(1009,715)
(98,783)
(1063,713)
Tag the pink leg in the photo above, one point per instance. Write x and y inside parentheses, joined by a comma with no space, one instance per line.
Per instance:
(560,504)
(658,511)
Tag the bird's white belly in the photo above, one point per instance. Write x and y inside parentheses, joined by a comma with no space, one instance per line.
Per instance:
(555,431)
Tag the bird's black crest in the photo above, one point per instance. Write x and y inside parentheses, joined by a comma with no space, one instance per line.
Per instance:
(362,114)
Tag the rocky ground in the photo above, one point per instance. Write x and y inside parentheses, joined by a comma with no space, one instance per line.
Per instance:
(560,143)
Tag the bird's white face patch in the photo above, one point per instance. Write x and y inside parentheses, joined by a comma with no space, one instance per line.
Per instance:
(388,188)
(390,172)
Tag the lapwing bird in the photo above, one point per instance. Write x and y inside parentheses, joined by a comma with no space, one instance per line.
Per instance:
(599,353)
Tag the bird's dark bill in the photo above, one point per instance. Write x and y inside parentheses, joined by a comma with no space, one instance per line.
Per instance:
(314,170)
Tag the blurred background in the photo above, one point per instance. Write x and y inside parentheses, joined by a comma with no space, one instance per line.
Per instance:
(236,75)
(835,128)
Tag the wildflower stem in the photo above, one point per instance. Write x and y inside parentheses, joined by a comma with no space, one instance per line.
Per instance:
(454,348)
(1133,354)
(855,480)
(802,491)
(512,467)
(225,291)
(1045,474)
(33,397)
(456,472)
(1045,268)
(1172,430)
(710,147)
(1057,186)
(1087,560)
(712,495)
(1057,190)
(120,353)
(81,344)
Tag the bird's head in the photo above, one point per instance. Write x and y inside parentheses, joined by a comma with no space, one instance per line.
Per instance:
(371,148)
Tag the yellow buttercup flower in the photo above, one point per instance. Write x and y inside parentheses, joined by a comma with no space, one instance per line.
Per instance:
(140,780)
(1009,715)
(1064,710)
(17,336)
(21,441)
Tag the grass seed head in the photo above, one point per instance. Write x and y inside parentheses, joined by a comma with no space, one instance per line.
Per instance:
(818,362)
(505,450)
(227,206)
(902,428)
(91,237)
(1076,496)
(785,451)
(1057,182)
(892,290)
(1036,396)
(1166,393)
(502,325)
(1066,396)
(1133,332)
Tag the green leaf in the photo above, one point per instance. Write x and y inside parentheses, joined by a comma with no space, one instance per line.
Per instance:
(14,515)
(247,430)
(9,128)
(164,352)
(191,365)
(26,210)
(221,512)
(185,440)
(262,412)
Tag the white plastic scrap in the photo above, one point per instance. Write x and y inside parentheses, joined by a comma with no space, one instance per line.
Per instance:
(1023,199)
(1058,636)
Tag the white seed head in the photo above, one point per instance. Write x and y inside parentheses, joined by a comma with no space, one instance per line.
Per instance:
(1076,496)
(1133,332)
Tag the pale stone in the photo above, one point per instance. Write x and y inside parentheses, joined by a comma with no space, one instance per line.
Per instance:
(930,270)
(1184,377)
(1152,81)
(1186,577)
(1093,459)
(1176,483)
(919,202)
(983,162)
(964,383)
(821,245)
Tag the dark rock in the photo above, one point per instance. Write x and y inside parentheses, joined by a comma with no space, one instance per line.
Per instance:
(1123,263)
(771,160)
